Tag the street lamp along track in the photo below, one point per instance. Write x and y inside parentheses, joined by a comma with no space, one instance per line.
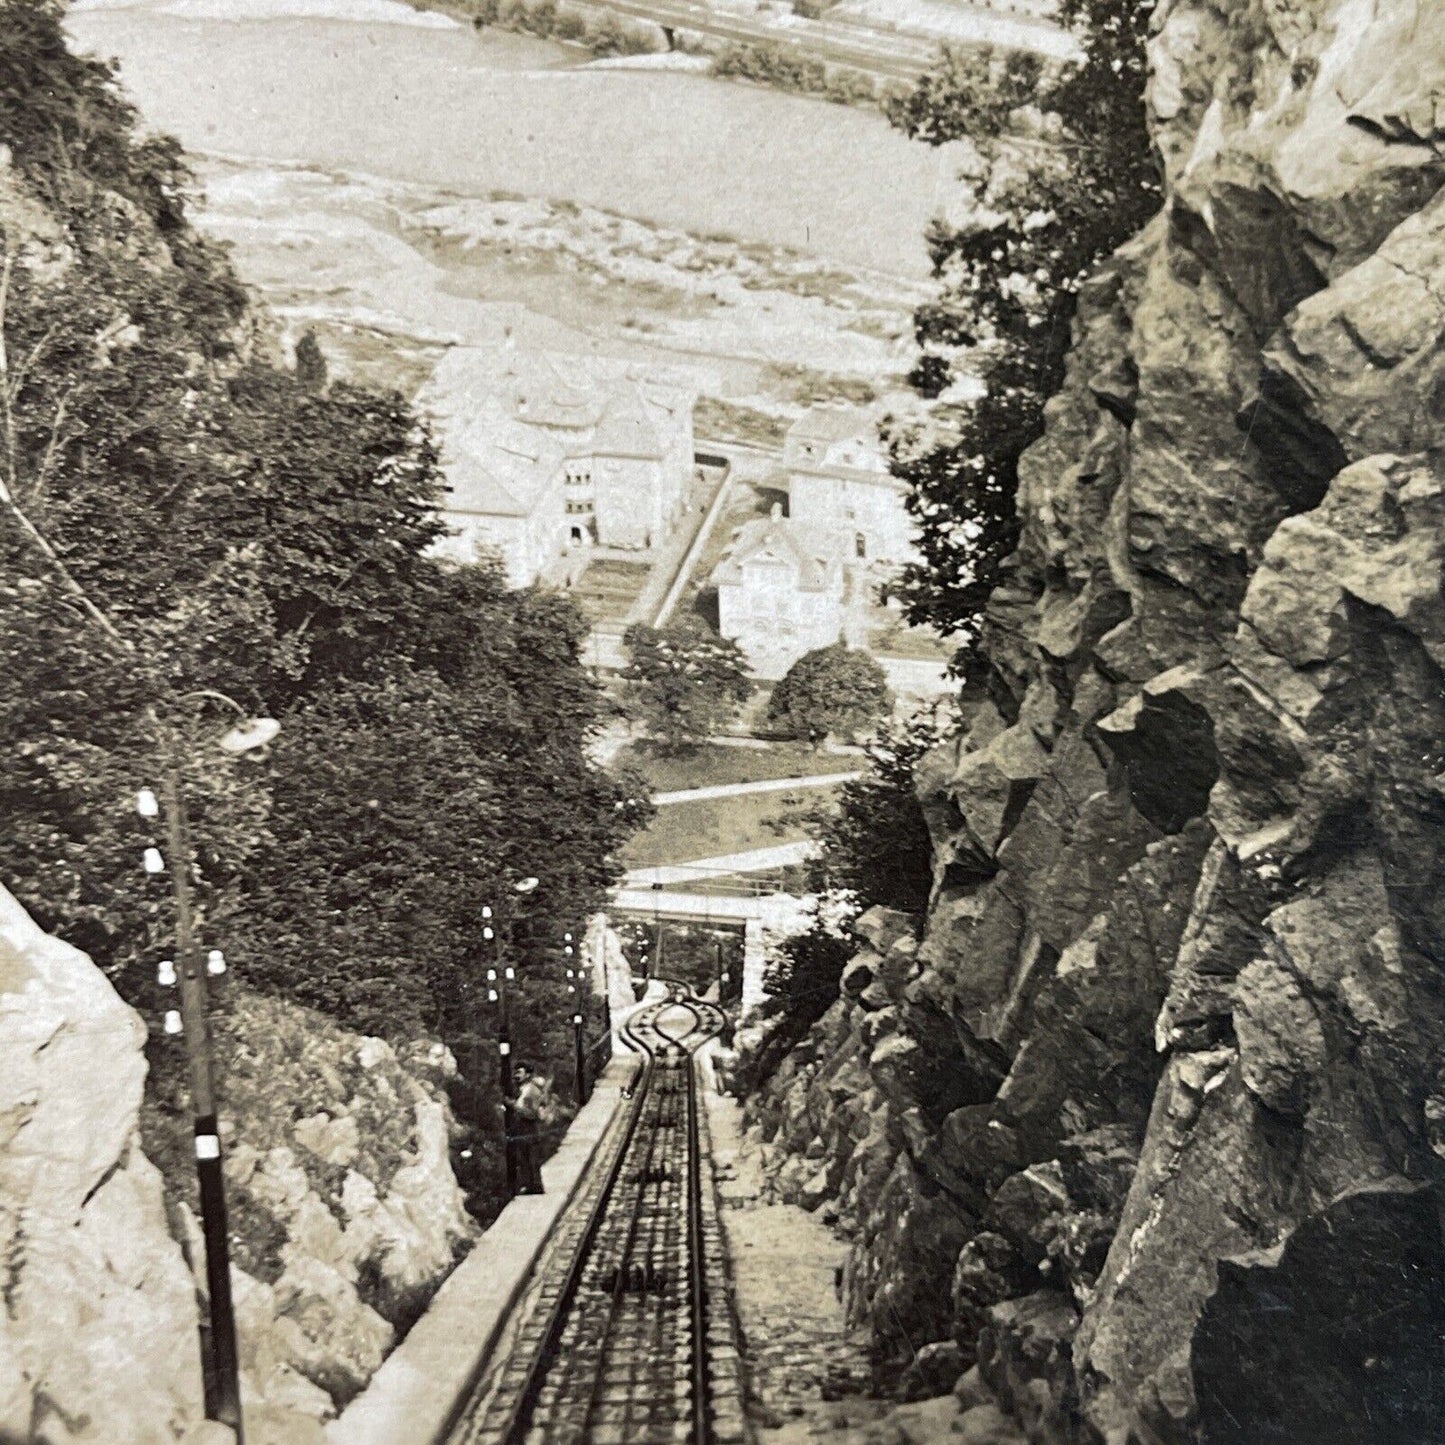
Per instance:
(223,1392)
(498,977)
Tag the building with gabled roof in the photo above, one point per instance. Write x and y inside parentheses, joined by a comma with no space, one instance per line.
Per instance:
(782,591)
(545,453)
(506,492)
(794,583)
(839,482)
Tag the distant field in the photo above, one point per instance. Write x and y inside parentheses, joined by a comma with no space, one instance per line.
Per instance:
(716,827)
(710,766)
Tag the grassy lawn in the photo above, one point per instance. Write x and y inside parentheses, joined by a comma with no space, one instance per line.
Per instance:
(708,829)
(708,766)
(893,638)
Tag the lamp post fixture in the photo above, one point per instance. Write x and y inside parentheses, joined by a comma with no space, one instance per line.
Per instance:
(191,973)
(498,977)
(601,971)
(575,1003)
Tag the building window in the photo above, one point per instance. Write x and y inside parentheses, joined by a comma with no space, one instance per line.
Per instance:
(860,544)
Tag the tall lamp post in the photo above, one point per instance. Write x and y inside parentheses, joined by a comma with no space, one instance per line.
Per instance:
(575,1003)
(498,977)
(192,1020)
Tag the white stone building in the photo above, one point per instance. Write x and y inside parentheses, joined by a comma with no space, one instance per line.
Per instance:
(782,591)
(839,484)
(507,499)
(546,453)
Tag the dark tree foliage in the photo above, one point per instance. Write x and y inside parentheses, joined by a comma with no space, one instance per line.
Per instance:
(683,682)
(875,845)
(802,984)
(970,91)
(875,853)
(1010,286)
(311,372)
(365,900)
(834,689)
(183,520)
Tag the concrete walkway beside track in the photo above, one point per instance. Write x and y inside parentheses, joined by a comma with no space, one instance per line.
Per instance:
(412,1397)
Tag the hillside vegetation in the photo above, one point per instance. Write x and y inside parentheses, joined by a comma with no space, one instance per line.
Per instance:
(192,529)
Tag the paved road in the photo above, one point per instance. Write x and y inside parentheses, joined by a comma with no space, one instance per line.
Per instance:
(767,785)
(879,52)
(755,860)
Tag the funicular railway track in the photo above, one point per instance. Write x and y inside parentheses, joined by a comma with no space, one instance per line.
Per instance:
(625,1338)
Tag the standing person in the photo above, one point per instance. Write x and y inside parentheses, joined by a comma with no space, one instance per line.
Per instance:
(527,1110)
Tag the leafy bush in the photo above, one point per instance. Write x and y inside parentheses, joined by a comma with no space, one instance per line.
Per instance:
(834,689)
(771,64)
(608,34)
(604,33)
(539,18)
(850,87)
(802,984)
(570,25)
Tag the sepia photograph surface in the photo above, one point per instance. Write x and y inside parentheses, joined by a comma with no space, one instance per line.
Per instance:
(722,722)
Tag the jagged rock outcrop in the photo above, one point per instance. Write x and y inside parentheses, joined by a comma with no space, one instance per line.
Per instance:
(98,1336)
(1155,1106)
(339,1235)
(347,1218)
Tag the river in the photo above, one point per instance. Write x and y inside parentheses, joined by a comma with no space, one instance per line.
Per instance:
(474,113)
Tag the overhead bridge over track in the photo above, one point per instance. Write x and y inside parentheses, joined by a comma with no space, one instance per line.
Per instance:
(755,913)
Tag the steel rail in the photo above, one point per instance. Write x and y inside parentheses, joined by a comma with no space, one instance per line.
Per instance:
(697,1264)
(519,1419)
(658,1139)
(619,1284)
(576,1312)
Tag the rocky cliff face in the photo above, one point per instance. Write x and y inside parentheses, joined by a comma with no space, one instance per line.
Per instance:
(1150,1125)
(345,1215)
(97,1310)
(345,1211)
